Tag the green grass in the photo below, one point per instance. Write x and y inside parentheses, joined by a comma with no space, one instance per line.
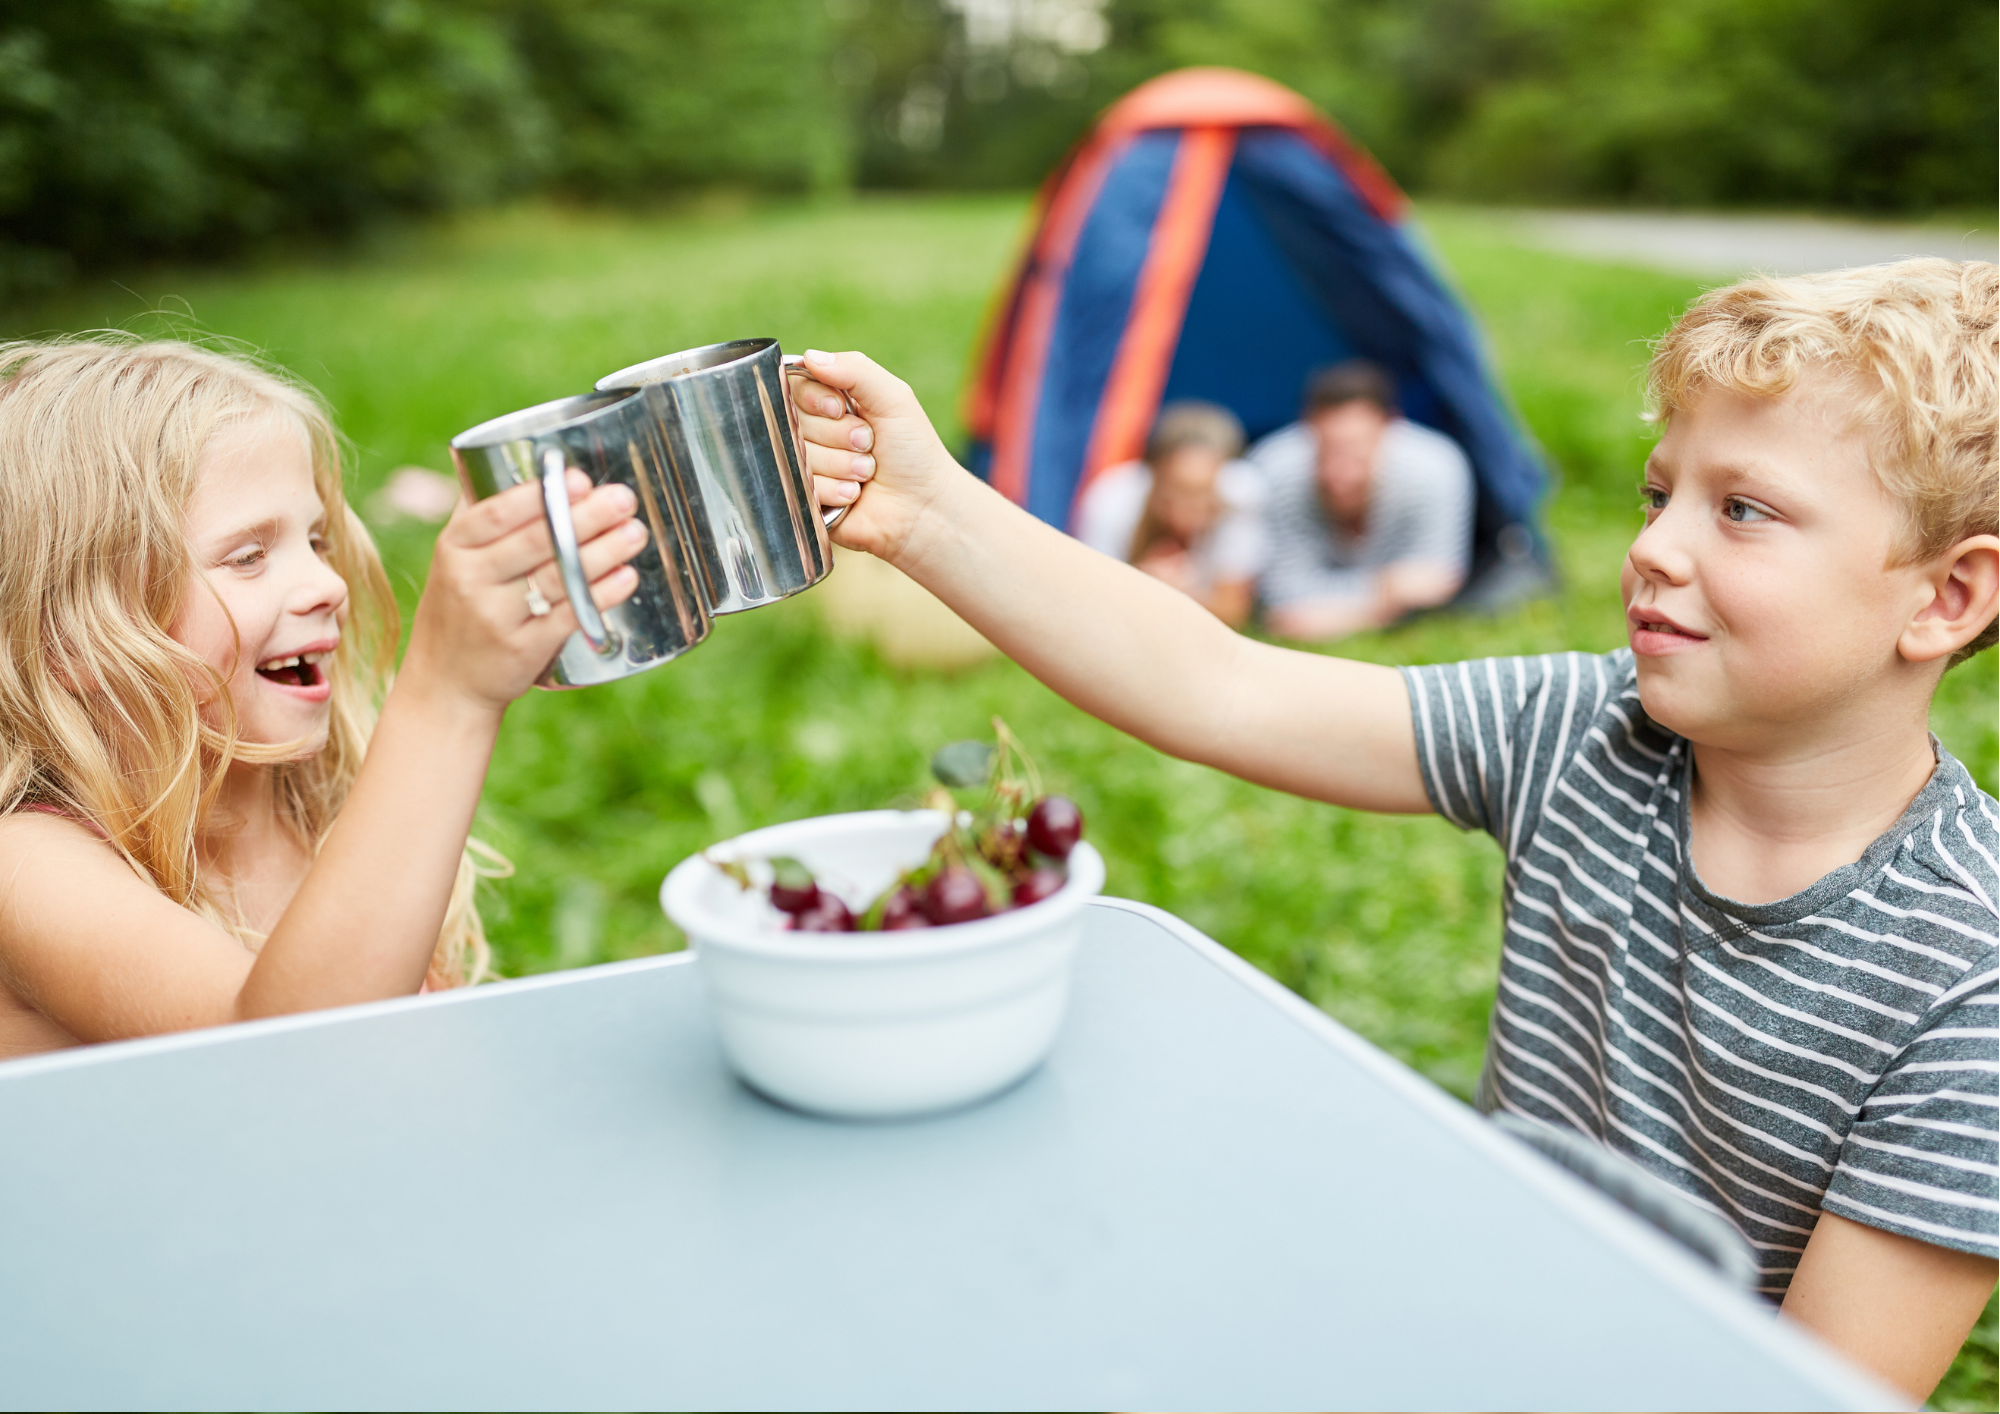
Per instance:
(1390,924)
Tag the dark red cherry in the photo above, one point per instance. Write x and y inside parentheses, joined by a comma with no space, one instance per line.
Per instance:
(955,896)
(905,909)
(794,900)
(1043,883)
(1054,826)
(792,887)
(826,915)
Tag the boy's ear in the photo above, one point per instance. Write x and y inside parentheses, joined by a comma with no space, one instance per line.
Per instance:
(1965,592)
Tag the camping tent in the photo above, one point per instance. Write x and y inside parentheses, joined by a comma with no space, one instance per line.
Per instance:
(1216,237)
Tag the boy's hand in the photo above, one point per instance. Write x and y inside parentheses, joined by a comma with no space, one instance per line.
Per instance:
(889,449)
(474,632)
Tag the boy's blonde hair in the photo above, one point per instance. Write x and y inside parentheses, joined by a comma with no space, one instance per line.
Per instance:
(100,709)
(1919,340)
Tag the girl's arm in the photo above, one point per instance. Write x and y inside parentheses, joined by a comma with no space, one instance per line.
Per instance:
(1116,642)
(105,955)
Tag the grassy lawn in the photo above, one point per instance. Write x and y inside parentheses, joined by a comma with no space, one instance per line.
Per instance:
(1390,924)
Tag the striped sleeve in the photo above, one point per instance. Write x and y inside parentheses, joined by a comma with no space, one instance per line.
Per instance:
(1493,732)
(1923,1156)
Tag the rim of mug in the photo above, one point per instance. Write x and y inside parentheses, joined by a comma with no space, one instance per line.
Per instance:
(542,419)
(627,377)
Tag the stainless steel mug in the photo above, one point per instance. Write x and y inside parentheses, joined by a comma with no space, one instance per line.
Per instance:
(732,436)
(610,437)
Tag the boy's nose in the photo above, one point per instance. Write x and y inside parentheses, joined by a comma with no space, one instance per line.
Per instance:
(1658,555)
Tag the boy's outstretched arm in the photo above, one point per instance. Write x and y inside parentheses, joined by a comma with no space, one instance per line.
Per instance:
(1116,642)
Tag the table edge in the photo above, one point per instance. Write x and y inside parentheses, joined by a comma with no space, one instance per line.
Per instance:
(230,1033)
(1804,1355)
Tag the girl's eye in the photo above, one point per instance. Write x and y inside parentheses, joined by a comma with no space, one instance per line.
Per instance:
(322,546)
(246,558)
(1652,499)
(1744,512)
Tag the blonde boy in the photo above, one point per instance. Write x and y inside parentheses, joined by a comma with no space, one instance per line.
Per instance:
(1750,902)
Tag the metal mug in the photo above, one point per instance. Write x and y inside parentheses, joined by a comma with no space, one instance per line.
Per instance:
(732,437)
(610,437)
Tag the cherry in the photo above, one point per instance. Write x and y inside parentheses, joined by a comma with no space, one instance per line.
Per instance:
(1041,884)
(905,909)
(1054,826)
(955,896)
(793,889)
(794,900)
(826,915)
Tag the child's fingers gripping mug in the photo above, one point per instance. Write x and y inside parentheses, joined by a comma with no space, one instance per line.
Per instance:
(610,437)
(733,440)
(708,439)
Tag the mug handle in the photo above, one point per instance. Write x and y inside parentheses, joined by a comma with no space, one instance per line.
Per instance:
(602,638)
(795,363)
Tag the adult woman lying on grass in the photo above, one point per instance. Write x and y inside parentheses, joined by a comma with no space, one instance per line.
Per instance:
(1750,903)
(1189,514)
(201,818)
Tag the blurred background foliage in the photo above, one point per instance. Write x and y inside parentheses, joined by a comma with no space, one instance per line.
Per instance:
(132,129)
(1859,104)
(139,128)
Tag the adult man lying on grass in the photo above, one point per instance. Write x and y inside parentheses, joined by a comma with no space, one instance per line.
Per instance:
(1750,902)
(1368,514)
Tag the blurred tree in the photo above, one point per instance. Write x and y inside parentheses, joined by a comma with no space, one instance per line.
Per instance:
(646,95)
(134,127)
(131,128)
(976,93)
(1882,104)
(1870,104)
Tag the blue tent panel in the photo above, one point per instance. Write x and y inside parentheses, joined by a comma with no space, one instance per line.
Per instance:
(1090,322)
(1375,283)
(1252,328)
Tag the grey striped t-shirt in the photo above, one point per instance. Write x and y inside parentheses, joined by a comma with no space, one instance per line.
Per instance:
(1835,1050)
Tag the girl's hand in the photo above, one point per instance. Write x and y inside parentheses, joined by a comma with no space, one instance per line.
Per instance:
(474,632)
(890,448)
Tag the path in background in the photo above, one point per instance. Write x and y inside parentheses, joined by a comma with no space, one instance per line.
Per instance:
(1728,247)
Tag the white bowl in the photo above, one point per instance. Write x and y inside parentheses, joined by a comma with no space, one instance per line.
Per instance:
(876,1025)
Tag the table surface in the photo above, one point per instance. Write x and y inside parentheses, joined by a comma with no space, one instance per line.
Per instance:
(552,1193)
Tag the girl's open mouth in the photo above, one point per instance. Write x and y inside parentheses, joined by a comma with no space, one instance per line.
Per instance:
(300,670)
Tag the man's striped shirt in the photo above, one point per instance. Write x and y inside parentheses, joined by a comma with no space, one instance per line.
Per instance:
(1833,1051)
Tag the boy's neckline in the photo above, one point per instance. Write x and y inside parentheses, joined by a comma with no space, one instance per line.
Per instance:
(1835,884)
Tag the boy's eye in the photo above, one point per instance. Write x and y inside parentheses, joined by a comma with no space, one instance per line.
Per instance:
(1652,499)
(1744,512)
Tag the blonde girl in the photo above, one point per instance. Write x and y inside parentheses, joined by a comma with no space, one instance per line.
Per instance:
(208,809)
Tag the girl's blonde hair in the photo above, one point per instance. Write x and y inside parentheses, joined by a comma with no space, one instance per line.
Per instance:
(101,711)
(1920,342)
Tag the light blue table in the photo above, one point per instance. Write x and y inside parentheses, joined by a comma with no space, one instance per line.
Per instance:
(550,1193)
